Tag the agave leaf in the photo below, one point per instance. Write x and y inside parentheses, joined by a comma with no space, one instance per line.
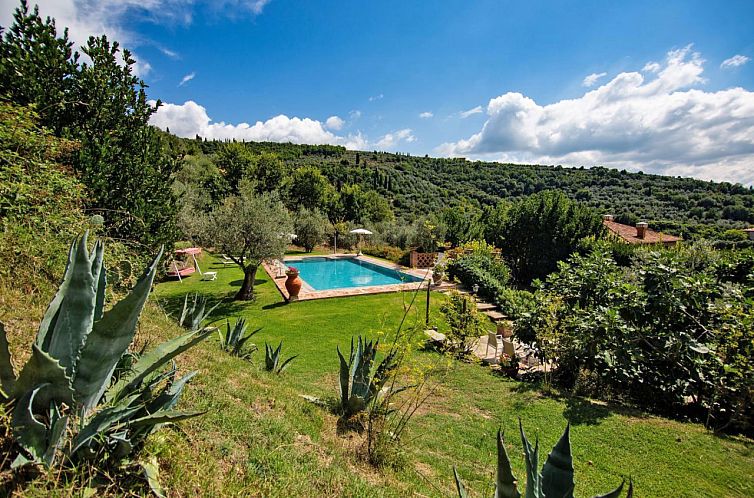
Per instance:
(557,473)
(382,373)
(100,277)
(164,417)
(47,325)
(44,369)
(531,458)
(7,375)
(75,316)
(459,485)
(614,493)
(29,432)
(286,362)
(506,481)
(57,436)
(109,341)
(169,398)
(344,378)
(156,358)
(101,422)
(152,474)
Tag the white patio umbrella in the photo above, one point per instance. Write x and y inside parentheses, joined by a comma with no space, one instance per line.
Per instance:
(361,232)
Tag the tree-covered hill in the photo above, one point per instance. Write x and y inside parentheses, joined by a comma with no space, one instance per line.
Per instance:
(419,185)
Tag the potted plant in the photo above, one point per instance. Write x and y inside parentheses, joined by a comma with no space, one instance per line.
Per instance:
(293,283)
(505,328)
(438,273)
(509,364)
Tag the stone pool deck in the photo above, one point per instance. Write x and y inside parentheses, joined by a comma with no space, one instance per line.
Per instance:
(307,293)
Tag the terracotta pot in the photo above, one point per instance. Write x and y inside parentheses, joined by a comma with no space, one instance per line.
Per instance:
(293,285)
(505,328)
(437,278)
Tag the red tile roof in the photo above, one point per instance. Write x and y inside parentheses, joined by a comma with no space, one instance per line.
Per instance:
(628,234)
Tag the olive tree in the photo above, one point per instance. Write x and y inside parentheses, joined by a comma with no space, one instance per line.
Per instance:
(249,228)
(311,228)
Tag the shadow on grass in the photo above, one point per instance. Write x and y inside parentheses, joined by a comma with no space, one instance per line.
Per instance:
(275,305)
(239,282)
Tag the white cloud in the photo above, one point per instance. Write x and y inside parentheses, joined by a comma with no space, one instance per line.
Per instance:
(592,79)
(390,140)
(651,67)
(354,115)
(735,61)
(141,67)
(471,112)
(426,115)
(190,119)
(661,123)
(187,78)
(376,97)
(169,53)
(334,123)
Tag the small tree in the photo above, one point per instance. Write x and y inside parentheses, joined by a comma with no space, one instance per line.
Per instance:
(311,228)
(465,322)
(249,228)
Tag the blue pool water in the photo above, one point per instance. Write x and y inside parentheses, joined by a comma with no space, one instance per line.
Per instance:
(326,274)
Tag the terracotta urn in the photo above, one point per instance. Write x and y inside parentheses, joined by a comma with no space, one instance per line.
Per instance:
(293,283)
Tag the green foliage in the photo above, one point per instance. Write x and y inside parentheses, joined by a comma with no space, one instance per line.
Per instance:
(555,479)
(673,329)
(487,271)
(463,223)
(359,385)
(542,230)
(428,234)
(36,190)
(308,188)
(394,254)
(272,359)
(70,399)
(101,104)
(234,339)
(311,228)
(465,322)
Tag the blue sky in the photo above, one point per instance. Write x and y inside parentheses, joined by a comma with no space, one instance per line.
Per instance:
(660,97)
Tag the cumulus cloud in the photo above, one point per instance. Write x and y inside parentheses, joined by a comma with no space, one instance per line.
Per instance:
(190,119)
(390,140)
(426,115)
(471,112)
(735,61)
(334,123)
(661,123)
(651,67)
(592,79)
(187,78)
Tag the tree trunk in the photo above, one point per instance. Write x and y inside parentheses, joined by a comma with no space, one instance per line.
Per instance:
(246,292)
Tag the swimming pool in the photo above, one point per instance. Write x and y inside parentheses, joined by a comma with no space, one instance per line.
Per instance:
(340,273)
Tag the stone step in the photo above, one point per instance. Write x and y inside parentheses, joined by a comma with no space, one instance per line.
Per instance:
(482,306)
(496,316)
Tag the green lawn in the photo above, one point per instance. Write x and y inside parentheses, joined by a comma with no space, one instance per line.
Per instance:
(259,437)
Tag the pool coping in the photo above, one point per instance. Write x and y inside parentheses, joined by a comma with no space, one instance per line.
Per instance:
(308,294)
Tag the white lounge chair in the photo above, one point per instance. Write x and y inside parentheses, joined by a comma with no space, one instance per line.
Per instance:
(207,275)
(226,260)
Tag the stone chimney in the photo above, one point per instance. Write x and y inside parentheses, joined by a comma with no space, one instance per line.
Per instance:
(608,217)
(641,229)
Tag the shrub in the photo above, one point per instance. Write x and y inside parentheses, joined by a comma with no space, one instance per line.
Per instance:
(311,228)
(390,253)
(465,323)
(489,273)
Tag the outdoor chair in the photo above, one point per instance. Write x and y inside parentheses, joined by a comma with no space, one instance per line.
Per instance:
(225,260)
(207,275)
(493,341)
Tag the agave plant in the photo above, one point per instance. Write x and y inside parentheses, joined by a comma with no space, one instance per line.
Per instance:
(358,384)
(71,399)
(194,313)
(234,339)
(272,359)
(556,478)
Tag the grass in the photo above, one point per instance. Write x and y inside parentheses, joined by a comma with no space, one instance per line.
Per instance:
(259,436)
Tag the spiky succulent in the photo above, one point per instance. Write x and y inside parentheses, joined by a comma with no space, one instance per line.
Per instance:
(68,399)
(195,312)
(358,384)
(233,340)
(272,359)
(556,478)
